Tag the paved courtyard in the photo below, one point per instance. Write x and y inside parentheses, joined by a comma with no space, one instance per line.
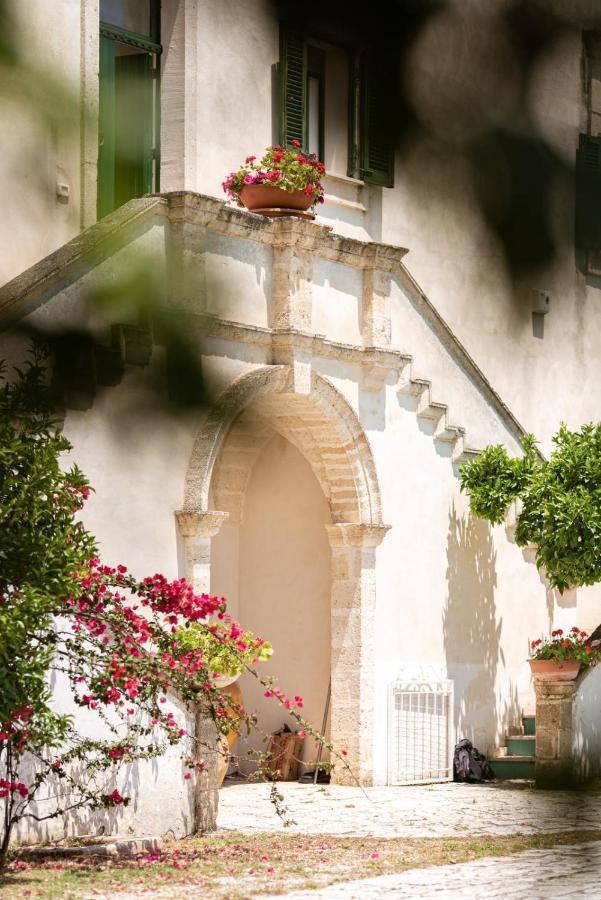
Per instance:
(438,811)
(535,874)
(425,811)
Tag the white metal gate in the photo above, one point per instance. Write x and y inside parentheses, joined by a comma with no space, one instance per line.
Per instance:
(419,732)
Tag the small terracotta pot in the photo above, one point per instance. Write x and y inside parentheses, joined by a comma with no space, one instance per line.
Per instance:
(267,196)
(552,670)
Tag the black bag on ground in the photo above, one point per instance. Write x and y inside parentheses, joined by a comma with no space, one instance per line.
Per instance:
(469,765)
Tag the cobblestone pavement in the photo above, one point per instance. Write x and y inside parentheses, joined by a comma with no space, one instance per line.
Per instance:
(532,875)
(425,811)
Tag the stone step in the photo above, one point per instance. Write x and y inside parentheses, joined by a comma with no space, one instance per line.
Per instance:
(522,745)
(512,767)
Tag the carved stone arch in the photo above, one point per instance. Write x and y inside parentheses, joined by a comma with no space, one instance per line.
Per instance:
(321,424)
(327,431)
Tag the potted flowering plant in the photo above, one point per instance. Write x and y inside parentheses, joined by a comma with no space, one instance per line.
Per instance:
(560,657)
(284,181)
(225,661)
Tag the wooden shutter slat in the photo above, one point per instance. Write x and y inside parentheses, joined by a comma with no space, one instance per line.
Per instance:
(376,144)
(293,81)
(588,193)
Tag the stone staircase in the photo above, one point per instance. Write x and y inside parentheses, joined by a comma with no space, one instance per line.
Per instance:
(516,759)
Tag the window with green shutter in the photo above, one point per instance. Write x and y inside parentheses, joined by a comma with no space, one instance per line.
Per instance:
(376,148)
(588,164)
(128,151)
(306,67)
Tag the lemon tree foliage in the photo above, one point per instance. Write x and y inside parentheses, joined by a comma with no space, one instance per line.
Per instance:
(560,501)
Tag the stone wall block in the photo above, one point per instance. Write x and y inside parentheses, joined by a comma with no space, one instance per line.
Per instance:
(291,288)
(554,763)
(375,325)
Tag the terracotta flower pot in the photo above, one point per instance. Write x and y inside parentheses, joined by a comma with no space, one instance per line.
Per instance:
(553,670)
(267,199)
(233,711)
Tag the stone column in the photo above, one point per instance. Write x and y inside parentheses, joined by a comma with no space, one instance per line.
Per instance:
(554,767)
(352,645)
(197,529)
(292,276)
(375,325)
(206,792)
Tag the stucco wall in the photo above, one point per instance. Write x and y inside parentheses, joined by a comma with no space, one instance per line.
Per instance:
(161,803)
(586,727)
(219,104)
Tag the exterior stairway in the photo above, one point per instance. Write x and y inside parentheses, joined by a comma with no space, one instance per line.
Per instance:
(516,759)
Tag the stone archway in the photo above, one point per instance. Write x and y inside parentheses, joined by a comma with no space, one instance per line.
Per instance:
(326,430)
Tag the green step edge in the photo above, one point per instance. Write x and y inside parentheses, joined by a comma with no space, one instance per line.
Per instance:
(529,723)
(520,746)
(508,767)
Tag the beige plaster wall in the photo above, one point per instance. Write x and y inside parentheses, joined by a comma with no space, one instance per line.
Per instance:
(548,372)
(218,93)
(283,576)
(41,120)
(432,211)
(161,800)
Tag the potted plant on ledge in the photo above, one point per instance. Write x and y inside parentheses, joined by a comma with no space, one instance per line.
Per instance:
(560,657)
(284,182)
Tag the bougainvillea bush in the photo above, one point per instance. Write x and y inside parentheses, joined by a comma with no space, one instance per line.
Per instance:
(116,640)
(286,168)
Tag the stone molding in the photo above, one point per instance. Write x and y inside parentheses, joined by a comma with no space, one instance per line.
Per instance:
(315,417)
(200,523)
(349,534)
(40,282)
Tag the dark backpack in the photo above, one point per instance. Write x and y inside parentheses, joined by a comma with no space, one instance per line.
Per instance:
(469,765)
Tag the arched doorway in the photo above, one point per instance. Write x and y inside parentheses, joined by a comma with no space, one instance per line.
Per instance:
(274,567)
(258,414)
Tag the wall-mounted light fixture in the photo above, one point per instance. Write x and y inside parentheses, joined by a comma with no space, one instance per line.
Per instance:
(541,302)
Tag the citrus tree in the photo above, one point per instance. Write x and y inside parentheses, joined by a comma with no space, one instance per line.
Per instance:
(560,501)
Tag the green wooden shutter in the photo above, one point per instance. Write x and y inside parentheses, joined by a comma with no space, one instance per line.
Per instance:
(106,129)
(588,193)
(376,146)
(293,88)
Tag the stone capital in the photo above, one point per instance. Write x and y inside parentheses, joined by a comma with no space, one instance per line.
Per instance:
(554,690)
(200,523)
(350,534)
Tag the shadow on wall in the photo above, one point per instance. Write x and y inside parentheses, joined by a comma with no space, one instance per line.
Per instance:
(472,633)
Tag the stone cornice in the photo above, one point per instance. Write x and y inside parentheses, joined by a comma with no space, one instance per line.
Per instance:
(219,218)
(209,326)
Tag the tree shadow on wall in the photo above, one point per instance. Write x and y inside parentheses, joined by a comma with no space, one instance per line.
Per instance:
(472,633)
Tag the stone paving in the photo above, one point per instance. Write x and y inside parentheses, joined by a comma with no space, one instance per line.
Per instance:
(425,811)
(572,871)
